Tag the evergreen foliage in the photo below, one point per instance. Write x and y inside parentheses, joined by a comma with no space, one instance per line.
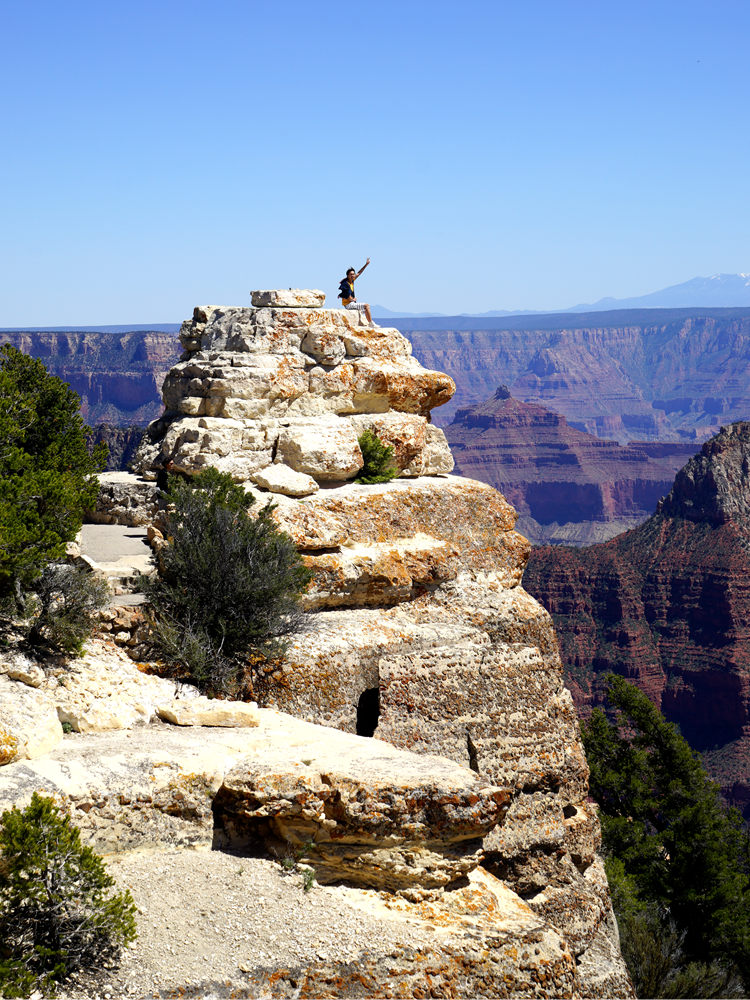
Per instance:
(679,858)
(379,466)
(229,585)
(47,476)
(65,600)
(57,914)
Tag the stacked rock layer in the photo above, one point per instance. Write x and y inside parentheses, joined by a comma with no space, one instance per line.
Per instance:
(278,396)
(419,630)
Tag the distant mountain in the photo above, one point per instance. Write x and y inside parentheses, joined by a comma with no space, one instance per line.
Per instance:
(380,312)
(718,290)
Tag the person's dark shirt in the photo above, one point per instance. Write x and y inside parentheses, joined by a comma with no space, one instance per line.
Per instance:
(346,289)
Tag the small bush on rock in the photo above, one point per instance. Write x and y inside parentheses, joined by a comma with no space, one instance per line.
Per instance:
(57,915)
(67,598)
(379,465)
(229,585)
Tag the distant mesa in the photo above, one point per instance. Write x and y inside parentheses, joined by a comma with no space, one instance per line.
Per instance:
(569,487)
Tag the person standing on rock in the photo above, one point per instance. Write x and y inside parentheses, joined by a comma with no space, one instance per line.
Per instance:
(347,296)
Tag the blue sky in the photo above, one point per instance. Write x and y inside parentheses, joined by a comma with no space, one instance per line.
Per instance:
(495,155)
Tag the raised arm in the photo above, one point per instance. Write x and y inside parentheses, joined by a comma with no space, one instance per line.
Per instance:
(362,269)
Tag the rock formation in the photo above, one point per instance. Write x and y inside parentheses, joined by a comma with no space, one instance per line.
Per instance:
(294,386)
(419,635)
(567,485)
(667,605)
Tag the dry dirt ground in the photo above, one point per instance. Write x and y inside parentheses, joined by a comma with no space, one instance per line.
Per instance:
(211,924)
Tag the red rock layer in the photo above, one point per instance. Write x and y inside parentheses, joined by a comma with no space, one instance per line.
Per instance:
(555,473)
(667,605)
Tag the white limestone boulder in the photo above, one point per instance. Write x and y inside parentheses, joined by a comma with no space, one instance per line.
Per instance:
(326,450)
(434,458)
(290,298)
(104,690)
(279,478)
(29,726)
(209,712)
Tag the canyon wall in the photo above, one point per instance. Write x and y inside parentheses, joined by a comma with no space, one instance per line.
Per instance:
(639,374)
(567,485)
(118,375)
(667,605)
(631,375)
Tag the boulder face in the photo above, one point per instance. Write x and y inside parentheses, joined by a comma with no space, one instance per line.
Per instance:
(419,631)
(668,605)
(288,383)
(569,487)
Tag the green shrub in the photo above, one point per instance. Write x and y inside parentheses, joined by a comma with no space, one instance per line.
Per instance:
(379,465)
(67,598)
(57,914)
(229,585)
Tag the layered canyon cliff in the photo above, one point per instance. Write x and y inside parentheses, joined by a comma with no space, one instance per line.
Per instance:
(568,486)
(633,375)
(667,605)
(117,374)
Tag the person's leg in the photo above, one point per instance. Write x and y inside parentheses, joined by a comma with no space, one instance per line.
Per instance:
(368,313)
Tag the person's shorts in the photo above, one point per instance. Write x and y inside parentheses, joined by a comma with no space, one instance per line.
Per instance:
(359,306)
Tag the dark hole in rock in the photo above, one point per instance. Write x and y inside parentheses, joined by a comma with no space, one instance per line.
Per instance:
(368,712)
(472,751)
(569,811)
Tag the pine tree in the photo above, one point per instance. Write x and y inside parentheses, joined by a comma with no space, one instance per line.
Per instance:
(57,913)
(685,853)
(229,583)
(379,466)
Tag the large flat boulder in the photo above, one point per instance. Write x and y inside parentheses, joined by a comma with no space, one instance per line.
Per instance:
(360,810)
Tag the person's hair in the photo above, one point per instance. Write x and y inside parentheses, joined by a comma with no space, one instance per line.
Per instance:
(351,269)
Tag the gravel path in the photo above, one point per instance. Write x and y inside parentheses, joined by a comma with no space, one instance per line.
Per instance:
(208,921)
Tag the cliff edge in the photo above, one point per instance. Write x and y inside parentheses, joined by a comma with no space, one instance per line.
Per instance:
(422,642)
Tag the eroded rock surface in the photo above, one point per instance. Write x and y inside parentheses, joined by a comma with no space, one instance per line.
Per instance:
(420,634)
(283,382)
(669,601)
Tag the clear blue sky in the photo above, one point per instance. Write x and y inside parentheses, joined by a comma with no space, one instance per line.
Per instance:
(494,155)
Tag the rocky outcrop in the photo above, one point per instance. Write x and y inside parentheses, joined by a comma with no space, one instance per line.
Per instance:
(294,386)
(420,632)
(448,736)
(567,485)
(631,375)
(667,605)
